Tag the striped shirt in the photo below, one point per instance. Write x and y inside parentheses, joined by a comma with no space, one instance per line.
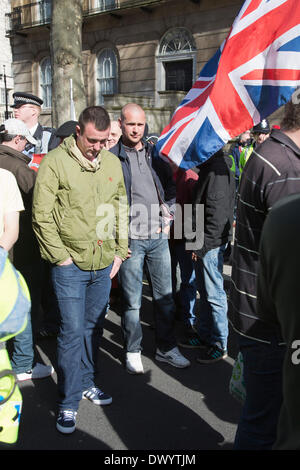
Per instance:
(272,172)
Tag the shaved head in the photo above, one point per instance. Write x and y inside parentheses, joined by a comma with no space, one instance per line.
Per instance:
(132,122)
(132,108)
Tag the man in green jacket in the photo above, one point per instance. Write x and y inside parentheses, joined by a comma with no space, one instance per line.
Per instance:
(80,218)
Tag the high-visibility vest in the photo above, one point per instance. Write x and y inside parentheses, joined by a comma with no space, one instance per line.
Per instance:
(14,309)
(10,400)
(14,299)
(245,154)
(233,165)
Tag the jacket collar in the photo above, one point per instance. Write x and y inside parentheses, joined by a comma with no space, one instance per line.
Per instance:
(119,149)
(38,132)
(281,137)
(70,146)
(5,149)
(38,135)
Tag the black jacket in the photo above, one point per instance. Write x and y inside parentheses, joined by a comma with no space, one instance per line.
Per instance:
(215,189)
(271,172)
(278,306)
(161,172)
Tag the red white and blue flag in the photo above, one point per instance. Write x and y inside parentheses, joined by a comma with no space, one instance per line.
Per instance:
(254,72)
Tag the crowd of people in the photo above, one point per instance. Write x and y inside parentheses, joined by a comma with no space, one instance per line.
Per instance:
(89,208)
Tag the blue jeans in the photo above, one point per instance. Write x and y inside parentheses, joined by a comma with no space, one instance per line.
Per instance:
(187,286)
(82,299)
(21,347)
(155,252)
(213,322)
(263,381)
(22,350)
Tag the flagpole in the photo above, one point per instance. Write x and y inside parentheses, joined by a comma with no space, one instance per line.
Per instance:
(72,106)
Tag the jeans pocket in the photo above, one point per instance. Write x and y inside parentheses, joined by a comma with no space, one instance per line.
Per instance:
(64,266)
(63,271)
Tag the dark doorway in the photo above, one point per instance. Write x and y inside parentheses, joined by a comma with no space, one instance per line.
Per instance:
(179,75)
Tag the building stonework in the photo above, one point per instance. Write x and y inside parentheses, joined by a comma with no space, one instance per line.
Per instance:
(149,52)
(6,78)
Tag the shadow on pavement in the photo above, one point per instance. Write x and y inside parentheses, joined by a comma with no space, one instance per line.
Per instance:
(164,409)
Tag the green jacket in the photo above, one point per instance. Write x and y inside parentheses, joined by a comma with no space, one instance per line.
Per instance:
(80,208)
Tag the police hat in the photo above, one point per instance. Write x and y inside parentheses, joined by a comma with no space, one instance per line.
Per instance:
(262,128)
(25,98)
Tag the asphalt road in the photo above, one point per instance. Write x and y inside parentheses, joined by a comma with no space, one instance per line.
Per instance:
(165,409)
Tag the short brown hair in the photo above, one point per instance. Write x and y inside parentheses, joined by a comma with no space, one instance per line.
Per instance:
(291,118)
(95,114)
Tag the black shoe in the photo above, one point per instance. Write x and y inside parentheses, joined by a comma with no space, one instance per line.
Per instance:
(66,421)
(213,354)
(193,341)
(96,396)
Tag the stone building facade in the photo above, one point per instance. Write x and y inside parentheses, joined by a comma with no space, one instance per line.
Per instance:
(147,51)
(6,77)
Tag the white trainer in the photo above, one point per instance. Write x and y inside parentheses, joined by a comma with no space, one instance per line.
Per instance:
(39,371)
(173,357)
(134,363)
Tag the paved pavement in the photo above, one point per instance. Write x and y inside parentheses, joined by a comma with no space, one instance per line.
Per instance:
(165,409)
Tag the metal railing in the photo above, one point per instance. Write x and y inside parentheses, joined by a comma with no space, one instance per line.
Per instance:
(39,13)
(31,14)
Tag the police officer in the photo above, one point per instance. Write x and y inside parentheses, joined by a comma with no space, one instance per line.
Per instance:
(27,108)
(260,133)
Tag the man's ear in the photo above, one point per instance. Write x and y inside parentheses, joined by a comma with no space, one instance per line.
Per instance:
(36,111)
(77,130)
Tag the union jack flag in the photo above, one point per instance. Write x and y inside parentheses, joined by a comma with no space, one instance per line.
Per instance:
(253,73)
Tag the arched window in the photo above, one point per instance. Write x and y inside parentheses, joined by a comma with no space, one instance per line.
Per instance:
(106,74)
(176,61)
(46,82)
(178,40)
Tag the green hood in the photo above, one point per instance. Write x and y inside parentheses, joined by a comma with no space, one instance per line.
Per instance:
(70,146)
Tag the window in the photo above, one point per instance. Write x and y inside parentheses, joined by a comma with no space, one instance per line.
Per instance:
(44,11)
(176,61)
(178,75)
(104,5)
(46,82)
(106,74)
(176,41)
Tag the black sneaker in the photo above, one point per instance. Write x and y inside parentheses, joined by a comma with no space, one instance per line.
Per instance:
(66,421)
(213,354)
(193,342)
(96,396)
